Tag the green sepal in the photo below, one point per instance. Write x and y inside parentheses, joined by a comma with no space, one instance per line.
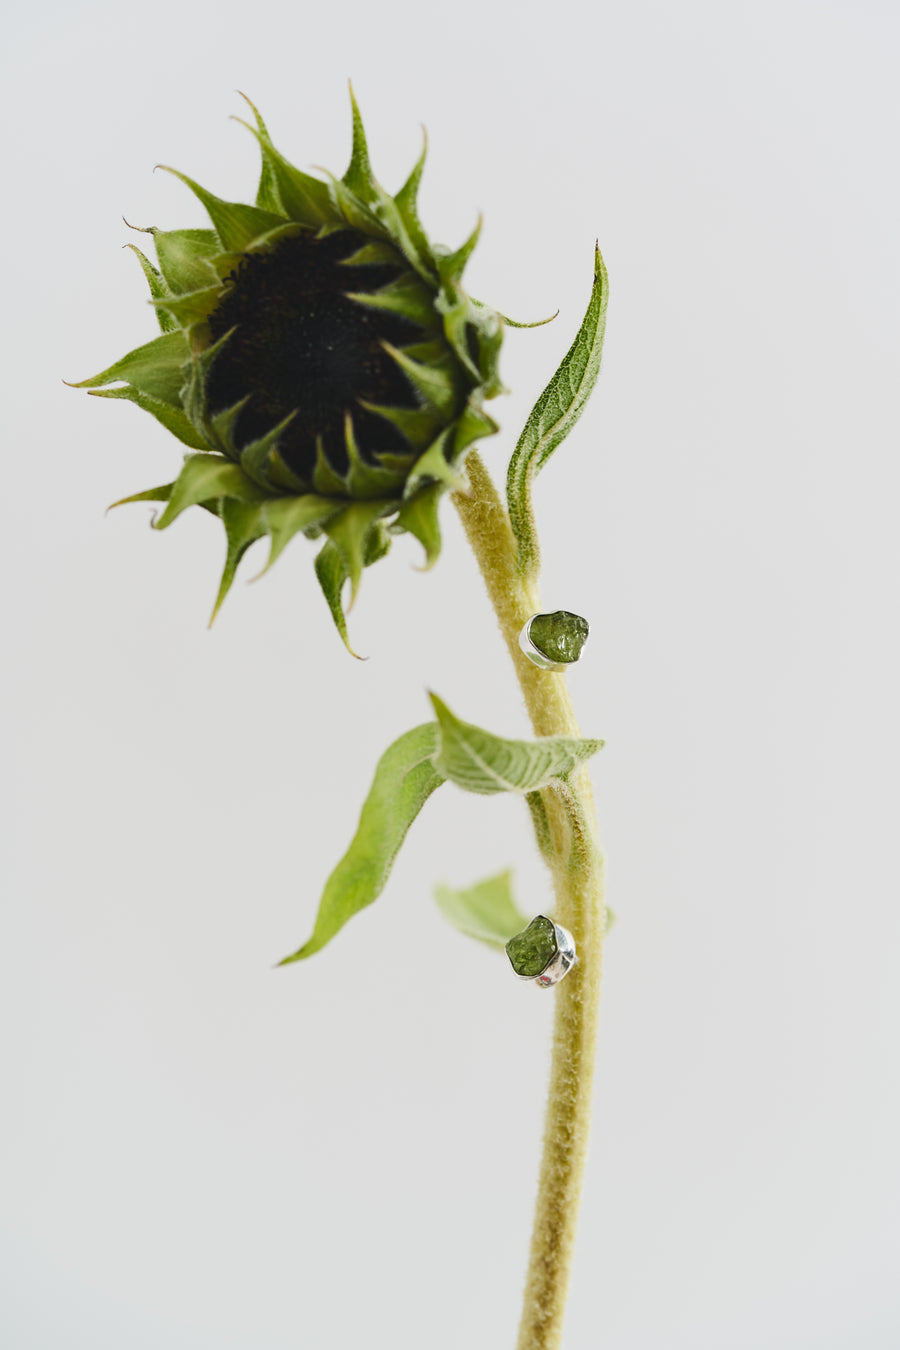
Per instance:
(472,425)
(286,189)
(194,394)
(267,198)
(222,424)
(350,208)
(376,253)
(405,777)
(173,419)
(287,516)
(515,323)
(205,478)
(156,369)
(159,289)
(255,456)
(363,203)
(485,911)
(325,478)
(284,478)
(432,382)
(453,306)
(433,466)
(490,340)
(236,224)
(404,296)
(186,258)
(554,415)
(244,523)
(407,204)
(349,532)
(479,761)
(332,573)
(157,494)
(535,323)
(419,515)
(417,425)
(366,482)
(359,177)
(451,266)
(192,307)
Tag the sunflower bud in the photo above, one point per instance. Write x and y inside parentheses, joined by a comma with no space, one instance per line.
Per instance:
(321,360)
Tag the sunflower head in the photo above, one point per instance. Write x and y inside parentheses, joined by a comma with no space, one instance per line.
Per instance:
(321,361)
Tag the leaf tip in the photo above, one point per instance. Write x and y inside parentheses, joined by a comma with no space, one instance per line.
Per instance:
(289,960)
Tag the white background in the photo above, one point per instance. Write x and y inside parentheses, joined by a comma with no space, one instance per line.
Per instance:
(203,1153)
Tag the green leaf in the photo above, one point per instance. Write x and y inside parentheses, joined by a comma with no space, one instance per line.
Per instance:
(405,778)
(485,911)
(481,762)
(554,415)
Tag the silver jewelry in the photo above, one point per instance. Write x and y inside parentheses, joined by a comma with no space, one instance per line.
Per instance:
(554,641)
(544,952)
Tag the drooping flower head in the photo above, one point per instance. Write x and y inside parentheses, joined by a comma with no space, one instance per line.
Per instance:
(322,362)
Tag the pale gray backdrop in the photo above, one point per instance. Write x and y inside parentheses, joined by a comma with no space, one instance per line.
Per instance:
(205,1154)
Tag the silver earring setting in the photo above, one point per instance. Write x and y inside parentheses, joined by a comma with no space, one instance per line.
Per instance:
(554,641)
(543,953)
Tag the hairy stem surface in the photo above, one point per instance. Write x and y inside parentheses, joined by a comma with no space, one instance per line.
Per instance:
(577,868)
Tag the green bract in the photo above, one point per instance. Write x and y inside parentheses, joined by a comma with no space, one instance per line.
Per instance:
(321,360)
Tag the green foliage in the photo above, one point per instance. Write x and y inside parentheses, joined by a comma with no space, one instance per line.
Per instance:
(553,417)
(405,778)
(486,911)
(479,761)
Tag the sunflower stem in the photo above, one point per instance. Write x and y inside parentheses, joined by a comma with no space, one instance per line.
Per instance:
(576,865)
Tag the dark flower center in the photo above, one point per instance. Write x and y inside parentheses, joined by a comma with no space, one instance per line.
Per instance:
(301,346)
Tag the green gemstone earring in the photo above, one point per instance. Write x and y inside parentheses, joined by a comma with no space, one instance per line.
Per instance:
(554,641)
(544,952)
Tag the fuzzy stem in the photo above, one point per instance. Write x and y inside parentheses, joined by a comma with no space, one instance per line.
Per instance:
(577,869)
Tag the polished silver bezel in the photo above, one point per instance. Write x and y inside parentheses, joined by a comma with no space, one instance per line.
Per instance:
(535,656)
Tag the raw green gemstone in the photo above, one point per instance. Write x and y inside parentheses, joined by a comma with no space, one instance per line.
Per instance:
(531,951)
(559,636)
